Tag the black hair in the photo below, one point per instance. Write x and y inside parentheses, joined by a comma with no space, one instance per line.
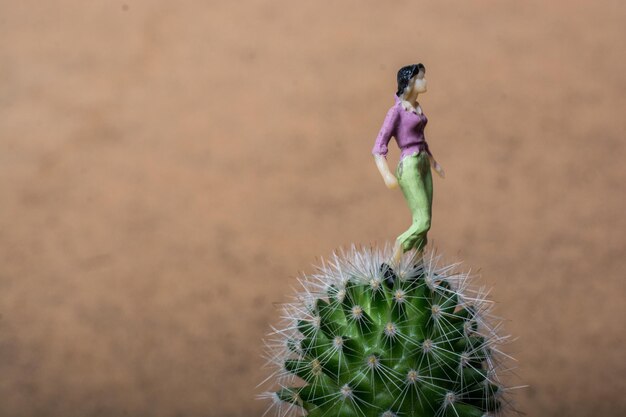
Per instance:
(405,74)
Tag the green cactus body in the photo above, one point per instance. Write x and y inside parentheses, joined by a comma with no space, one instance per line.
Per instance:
(366,340)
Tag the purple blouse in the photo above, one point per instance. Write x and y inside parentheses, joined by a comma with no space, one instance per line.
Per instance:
(408,129)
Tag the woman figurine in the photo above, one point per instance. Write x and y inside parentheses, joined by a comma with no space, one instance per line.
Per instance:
(405,121)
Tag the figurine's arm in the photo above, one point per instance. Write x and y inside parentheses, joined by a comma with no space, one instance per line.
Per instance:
(438,169)
(383,168)
(380,148)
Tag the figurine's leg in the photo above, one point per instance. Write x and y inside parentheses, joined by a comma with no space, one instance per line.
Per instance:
(415,180)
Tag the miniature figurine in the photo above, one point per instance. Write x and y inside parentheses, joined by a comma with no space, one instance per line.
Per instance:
(406,121)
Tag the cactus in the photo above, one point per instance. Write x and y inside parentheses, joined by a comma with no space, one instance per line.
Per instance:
(363,339)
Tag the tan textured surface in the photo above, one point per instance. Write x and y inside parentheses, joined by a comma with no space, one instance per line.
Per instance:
(167,169)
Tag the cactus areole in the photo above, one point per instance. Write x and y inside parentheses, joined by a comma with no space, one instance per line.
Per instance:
(364,339)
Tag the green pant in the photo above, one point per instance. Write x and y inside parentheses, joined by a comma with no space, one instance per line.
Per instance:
(416,182)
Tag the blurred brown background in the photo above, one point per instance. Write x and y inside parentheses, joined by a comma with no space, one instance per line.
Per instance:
(168,167)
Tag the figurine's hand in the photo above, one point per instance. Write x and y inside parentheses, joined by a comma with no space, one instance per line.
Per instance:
(439,170)
(383,168)
(391,182)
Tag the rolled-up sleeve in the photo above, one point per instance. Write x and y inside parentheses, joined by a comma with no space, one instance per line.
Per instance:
(386,132)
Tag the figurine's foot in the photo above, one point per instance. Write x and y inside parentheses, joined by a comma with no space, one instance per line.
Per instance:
(415,237)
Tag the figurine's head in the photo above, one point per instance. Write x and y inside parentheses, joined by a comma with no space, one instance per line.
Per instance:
(411,80)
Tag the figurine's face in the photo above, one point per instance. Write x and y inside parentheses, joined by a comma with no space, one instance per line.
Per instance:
(417,84)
